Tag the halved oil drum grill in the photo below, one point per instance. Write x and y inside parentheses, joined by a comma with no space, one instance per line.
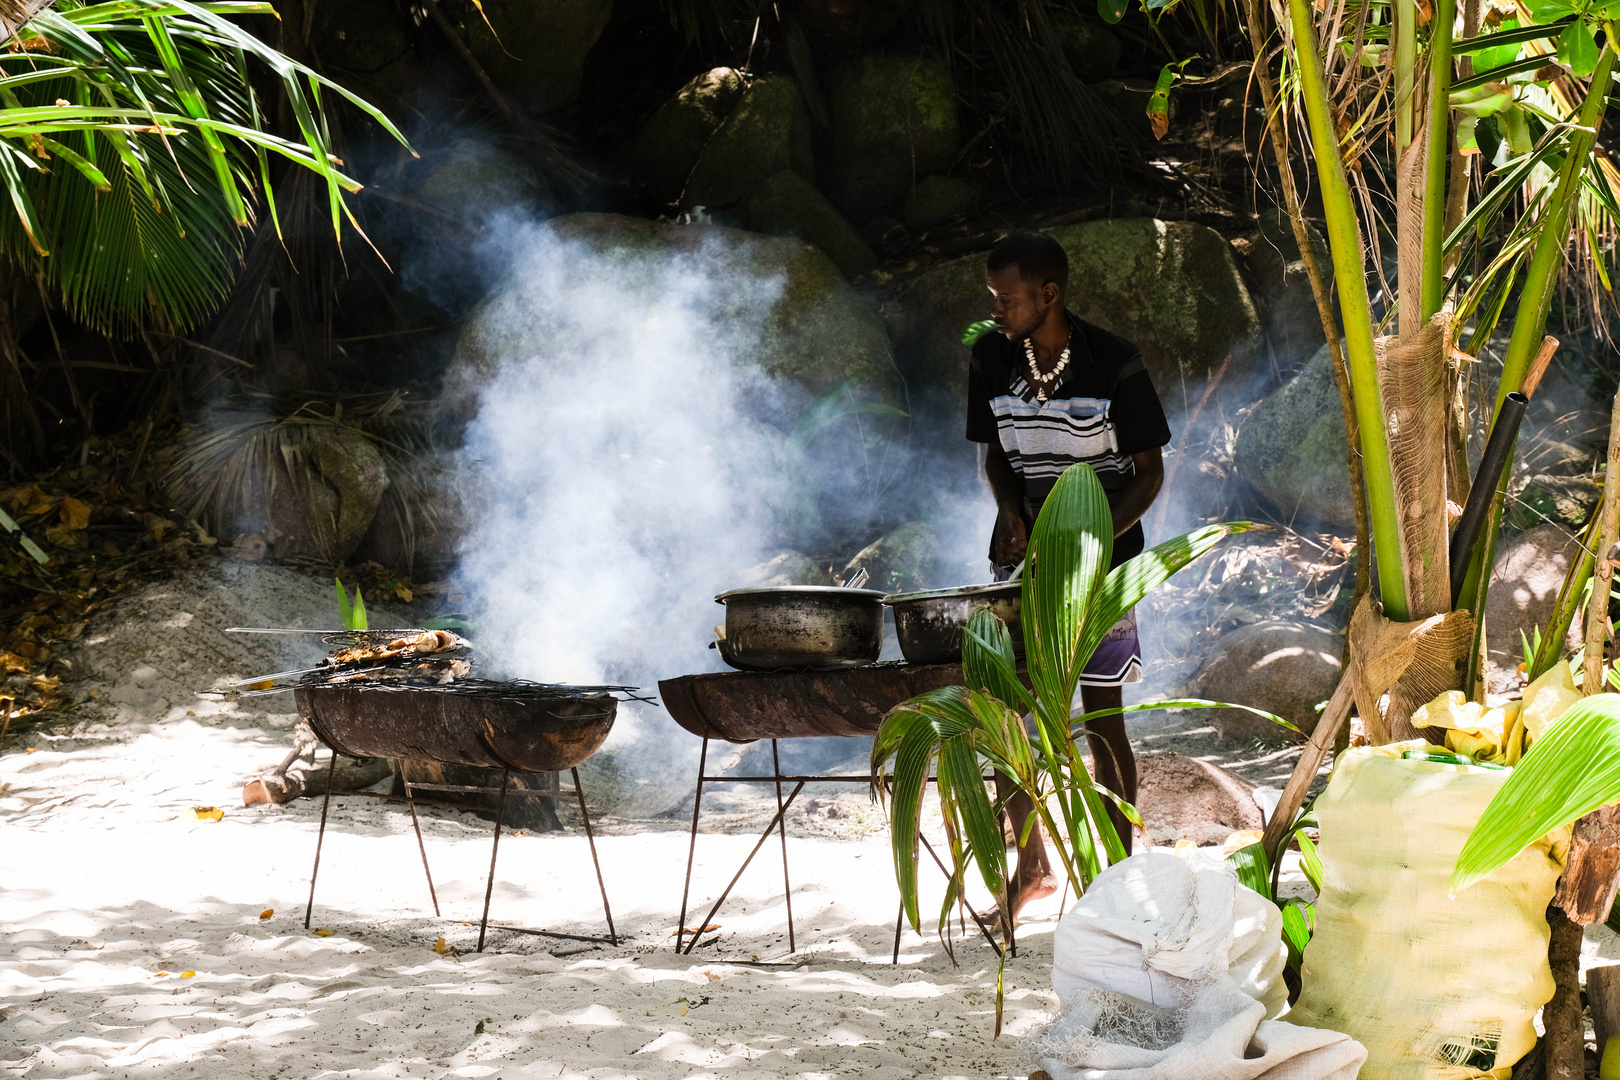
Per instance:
(745,706)
(515,726)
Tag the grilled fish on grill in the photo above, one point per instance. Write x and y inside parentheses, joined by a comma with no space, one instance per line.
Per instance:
(399,655)
(442,670)
(420,644)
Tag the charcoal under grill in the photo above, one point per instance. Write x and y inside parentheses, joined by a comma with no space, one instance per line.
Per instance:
(514,726)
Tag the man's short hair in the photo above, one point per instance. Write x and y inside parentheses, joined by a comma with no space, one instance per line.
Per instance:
(1039,259)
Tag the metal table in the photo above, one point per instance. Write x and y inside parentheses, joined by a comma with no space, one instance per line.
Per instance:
(746,706)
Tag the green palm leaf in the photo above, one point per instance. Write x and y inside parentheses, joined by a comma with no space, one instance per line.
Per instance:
(1068,556)
(137,218)
(1130,581)
(1573,769)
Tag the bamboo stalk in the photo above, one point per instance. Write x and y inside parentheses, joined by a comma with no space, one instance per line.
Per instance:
(1597,610)
(1319,291)
(1538,366)
(1439,131)
(1349,272)
(1328,725)
(1530,322)
(1563,612)
(1405,15)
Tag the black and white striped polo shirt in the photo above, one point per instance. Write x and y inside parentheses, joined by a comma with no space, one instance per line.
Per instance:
(1102,410)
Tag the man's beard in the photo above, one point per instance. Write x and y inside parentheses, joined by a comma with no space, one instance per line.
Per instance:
(1013,333)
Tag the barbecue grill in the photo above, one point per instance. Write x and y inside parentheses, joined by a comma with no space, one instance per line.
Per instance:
(514,726)
(745,706)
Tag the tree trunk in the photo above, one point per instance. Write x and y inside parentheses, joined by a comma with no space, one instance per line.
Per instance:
(1565,1041)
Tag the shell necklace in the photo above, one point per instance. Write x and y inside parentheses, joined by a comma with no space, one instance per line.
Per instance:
(1044,380)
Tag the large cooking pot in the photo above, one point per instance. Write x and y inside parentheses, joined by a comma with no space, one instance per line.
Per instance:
(801,626)
(930,624)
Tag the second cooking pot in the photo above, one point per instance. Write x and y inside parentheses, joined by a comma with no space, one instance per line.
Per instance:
(801,626)
(930,624)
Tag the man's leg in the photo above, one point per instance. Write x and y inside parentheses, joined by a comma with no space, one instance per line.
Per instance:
(1033,879)
(1111,753)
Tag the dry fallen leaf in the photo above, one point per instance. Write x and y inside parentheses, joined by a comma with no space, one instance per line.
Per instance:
(187,974)
(267,912)
(323,933)
(75,514)
(161,975)
(438,947)
(207,813)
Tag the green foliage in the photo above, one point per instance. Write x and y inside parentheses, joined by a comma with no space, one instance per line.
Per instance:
(132,145)
(1496,56)
(1573,769)
(977,330)
(1255,871)
(1070,600)
(353,615)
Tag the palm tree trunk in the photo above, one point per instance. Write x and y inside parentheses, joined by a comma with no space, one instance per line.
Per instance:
(1349,266)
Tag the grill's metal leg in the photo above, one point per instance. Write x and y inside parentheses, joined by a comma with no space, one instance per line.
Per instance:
(961,895)
(495,849)
(781,819)
(899,921)
(320,837)
(691,848)
(410,801)
(585,815)
(764,836)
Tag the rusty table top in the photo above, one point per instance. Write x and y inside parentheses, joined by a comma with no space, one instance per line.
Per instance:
(742,706)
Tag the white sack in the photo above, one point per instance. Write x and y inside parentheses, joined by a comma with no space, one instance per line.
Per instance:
(1168,969)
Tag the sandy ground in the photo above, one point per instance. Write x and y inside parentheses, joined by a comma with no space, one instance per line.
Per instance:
(133,943)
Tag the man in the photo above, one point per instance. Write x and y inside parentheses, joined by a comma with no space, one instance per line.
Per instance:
(1046,391)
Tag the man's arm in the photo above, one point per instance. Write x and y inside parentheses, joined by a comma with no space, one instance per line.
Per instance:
(1011,534)
(1140,492)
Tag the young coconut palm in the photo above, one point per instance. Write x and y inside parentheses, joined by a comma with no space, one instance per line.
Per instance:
(1483,147)
(1070,601)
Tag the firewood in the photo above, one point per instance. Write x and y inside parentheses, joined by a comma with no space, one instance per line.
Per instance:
(298,775)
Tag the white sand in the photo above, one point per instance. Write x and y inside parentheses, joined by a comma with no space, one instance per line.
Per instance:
(108,881)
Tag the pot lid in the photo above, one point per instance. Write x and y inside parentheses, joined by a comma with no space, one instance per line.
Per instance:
(797,590)
(988,589)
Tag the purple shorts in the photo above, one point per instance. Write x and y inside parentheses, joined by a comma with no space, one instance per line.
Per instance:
(1118,660)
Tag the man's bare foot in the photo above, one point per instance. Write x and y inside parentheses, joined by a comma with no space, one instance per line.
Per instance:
(1023,893)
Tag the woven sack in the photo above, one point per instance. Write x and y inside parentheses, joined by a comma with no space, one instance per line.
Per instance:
(1435,987)
(1168,969)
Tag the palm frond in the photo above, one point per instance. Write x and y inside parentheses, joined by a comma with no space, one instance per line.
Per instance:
(132,149)
(1573,769)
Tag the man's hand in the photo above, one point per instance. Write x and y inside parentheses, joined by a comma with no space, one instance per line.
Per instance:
(1010,539)
(1011,534)
(1140,490)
